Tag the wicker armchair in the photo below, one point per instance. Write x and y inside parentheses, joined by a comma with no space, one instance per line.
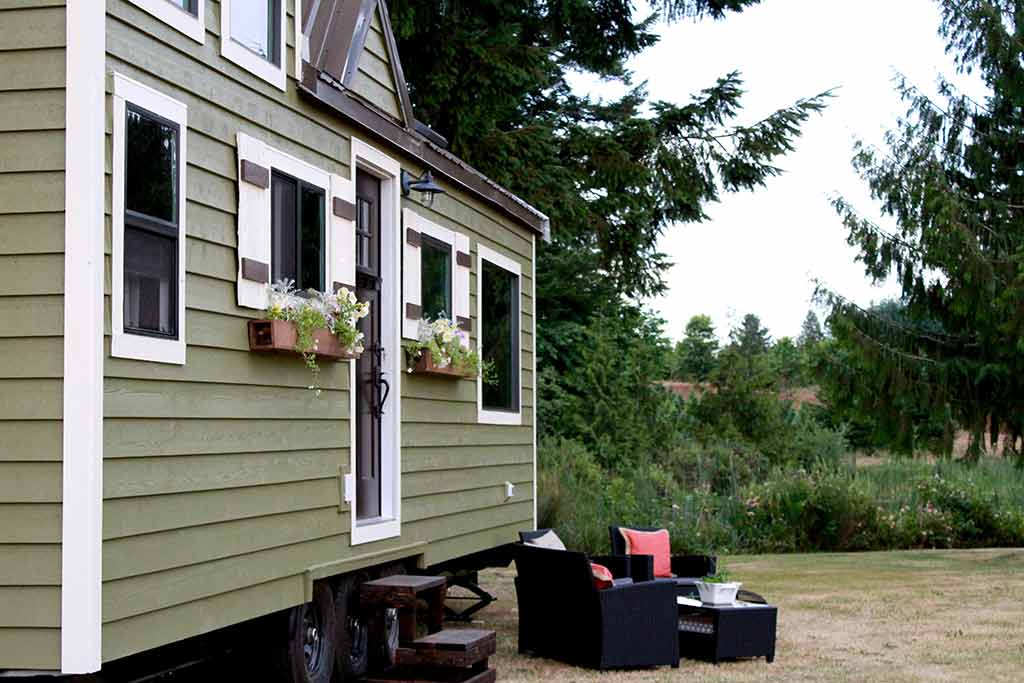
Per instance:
(687,568)
(563,616)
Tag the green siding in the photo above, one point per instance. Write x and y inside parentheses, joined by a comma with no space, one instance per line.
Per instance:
(373,79)
(221,477)
(31,344)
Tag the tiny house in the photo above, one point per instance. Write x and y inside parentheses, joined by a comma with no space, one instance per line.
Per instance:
(162,163)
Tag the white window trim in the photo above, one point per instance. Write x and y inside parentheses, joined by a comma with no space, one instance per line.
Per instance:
(442,234)
(297,168)
(231,50)
(389,525)
(192,26)
(124,344)
(498,417)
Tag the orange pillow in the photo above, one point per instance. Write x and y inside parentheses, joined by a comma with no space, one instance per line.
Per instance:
(654,543)
(602,577)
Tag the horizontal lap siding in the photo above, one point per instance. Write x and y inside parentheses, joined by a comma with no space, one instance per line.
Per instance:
(373,78)
(220,476)
(455,469)
(32,106)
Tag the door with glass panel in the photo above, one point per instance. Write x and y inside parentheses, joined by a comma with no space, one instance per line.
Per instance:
(371,385)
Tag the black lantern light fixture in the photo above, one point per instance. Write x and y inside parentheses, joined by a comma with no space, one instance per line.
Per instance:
(425,185)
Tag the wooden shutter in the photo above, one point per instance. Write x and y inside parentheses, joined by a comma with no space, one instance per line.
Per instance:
(412,309)
(253,222)
(460,292)
(341,237)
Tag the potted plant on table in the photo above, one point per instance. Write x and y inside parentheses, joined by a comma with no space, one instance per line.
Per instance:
(442,350)
(312,324)
(717,589)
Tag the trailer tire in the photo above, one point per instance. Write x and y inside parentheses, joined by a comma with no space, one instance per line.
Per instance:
(352,651)
(309,653)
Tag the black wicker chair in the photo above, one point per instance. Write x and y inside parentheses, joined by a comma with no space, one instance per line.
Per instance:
(563,616)
(618,565)
(688,569)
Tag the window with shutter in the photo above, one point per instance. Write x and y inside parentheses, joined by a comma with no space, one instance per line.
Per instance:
(435,275)
(294,223)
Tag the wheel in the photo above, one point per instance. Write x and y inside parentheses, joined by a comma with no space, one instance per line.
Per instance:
(385,628)
(353,633)
(309,653)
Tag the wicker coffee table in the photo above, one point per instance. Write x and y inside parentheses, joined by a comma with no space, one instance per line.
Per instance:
(716,632)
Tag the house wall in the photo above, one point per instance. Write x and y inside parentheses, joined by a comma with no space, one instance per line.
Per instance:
(32,105)
(373,75)
(221,477)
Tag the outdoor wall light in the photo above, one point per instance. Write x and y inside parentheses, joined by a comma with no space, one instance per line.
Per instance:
(425,185)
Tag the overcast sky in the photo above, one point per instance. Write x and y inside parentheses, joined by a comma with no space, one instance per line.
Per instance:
(761,250)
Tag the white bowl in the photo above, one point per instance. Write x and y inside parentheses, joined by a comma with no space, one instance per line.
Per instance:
(718,593)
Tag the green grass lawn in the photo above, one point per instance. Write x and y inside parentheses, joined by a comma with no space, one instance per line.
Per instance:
(890,616)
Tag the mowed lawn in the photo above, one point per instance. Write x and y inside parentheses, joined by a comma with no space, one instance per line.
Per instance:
(892,616)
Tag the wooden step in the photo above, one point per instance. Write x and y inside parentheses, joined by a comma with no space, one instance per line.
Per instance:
(473,676)
(454,647)
(400,590)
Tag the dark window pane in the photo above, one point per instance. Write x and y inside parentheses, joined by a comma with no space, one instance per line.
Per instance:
(150,287)
(364,228)
(499,334)
(435,278)
(312,239)
(284,235)
(151,166)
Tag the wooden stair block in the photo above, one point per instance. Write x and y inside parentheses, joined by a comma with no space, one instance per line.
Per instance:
(449,648)
(399,590)
(473,676)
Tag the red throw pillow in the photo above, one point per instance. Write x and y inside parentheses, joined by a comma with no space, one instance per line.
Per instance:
(602,577)
(654,543)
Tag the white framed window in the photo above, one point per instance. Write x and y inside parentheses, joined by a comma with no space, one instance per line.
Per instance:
(150,134)
(435,281)
(285,226)
(188,16)
(252,36)
(499,286)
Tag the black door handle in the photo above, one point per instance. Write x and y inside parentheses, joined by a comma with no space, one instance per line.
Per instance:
(387,391)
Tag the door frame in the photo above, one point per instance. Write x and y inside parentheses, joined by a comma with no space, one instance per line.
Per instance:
(389,524)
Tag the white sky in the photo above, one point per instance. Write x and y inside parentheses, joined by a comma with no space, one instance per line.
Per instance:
(761,250)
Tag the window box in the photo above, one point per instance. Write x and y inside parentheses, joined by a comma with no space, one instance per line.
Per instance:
(425,366)
(281,336)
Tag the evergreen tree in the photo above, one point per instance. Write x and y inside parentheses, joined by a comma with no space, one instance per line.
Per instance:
(750,338)
(950,179)
(612,175)
(695,354)
(787,363)
(810,332)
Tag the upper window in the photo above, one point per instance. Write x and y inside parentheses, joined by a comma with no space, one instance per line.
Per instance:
(297,232)
(252,36)
(435,278)
(254,25)
(184,15)
(498,313)
(149,224)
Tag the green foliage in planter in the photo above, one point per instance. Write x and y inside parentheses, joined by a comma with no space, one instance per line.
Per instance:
(311,311)
(448,347)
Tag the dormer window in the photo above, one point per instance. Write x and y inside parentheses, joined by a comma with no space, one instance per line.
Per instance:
(252,36)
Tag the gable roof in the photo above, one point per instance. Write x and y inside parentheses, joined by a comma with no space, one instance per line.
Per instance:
(338,33)
(337,73)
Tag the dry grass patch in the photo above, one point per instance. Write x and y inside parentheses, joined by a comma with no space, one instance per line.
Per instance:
(888,616)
